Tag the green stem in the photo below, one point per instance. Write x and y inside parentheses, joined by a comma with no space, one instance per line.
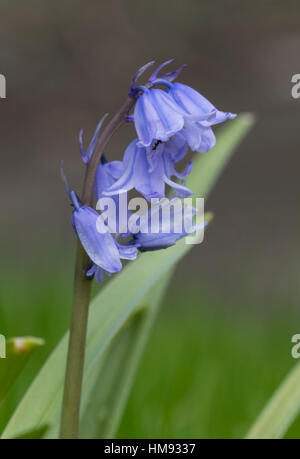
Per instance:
(82,292)
(76,351)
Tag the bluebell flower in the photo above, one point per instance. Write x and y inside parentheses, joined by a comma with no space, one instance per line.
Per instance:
(199,137)
(166,234)
(101,247)
(126,252)
(148,170)
(156,116)
(195,105)
(107,174)
(197,131)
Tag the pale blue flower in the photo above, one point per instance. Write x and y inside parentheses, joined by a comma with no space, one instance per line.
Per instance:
(148,170)
(166,234)
(197,131)
(156,116)
(102,248)
(107,175)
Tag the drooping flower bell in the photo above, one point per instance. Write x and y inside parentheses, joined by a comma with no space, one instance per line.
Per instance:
(102,248)
(167,229)
(191,113)
(195,105)
(117,211)
(156,116)
(149,169)
(197,132)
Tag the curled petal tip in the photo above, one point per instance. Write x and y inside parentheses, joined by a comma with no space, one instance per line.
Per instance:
(86,155)
(137,75)
(155,73)
(171,76)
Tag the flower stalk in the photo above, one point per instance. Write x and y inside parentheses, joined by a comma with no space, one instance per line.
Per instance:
(82,292)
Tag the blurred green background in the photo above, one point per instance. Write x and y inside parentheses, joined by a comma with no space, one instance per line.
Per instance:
(209,367)
(222,341)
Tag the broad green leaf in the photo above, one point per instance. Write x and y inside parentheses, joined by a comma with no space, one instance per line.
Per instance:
(108,397)
(115,304)
(281,410)
(108,314)
(18,352)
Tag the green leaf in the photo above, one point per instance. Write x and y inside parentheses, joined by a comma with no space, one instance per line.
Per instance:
(281,410)
(107,399)
(35,434)
(111,310)
(18,352)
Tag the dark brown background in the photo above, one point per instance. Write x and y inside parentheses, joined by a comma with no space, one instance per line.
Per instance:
(69,62)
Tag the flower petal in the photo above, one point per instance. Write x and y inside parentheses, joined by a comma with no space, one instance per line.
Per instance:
(165,237)
(140,71)
(158,69)
(137,174)
(149,183)
(100,247)
(190,100)
(127,252)
(208,140)
(156,116)
(103,180)
(181,190)
(126,181)
(145,118)
(176,147)
(199,138)
(169,170)
(220,117)
(86,155)
(115,168)
(197,106)
(170,115)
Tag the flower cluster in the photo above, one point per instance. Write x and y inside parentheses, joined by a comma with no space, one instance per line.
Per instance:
(168,122)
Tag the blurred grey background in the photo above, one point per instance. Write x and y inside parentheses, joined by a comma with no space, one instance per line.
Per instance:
(68,62)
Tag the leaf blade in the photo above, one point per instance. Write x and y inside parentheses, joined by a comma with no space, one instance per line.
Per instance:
(111,396)
(281,410)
